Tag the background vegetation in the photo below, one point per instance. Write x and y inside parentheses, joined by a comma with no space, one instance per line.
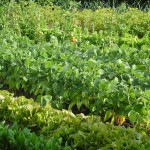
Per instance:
(92,4)
(86,69)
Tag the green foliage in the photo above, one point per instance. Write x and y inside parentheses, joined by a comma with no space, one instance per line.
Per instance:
(54,129)
(90,4)
(106,71)
(39,22)
(65,4)
(15,138)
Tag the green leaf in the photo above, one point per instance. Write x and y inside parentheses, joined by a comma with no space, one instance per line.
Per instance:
(67,148)
(132,116)
(1,85)
(48,64)
(53,144)
(48,98)
(25,79)
(101,71)
(86,103)
(11,84)
(79,104)
(108,114)
(11,134)
(71,105)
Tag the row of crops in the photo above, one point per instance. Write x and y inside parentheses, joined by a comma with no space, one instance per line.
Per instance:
(70,61)
(46,128)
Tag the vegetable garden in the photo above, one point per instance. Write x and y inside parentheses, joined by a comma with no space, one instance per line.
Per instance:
(74,79)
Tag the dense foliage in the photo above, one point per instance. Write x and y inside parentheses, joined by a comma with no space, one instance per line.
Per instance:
(14,138)
(92,4)
(62,129)
(85,61)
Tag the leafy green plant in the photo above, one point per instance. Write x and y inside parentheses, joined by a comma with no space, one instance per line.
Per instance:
(15,138)
(54,129)
(104,72)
